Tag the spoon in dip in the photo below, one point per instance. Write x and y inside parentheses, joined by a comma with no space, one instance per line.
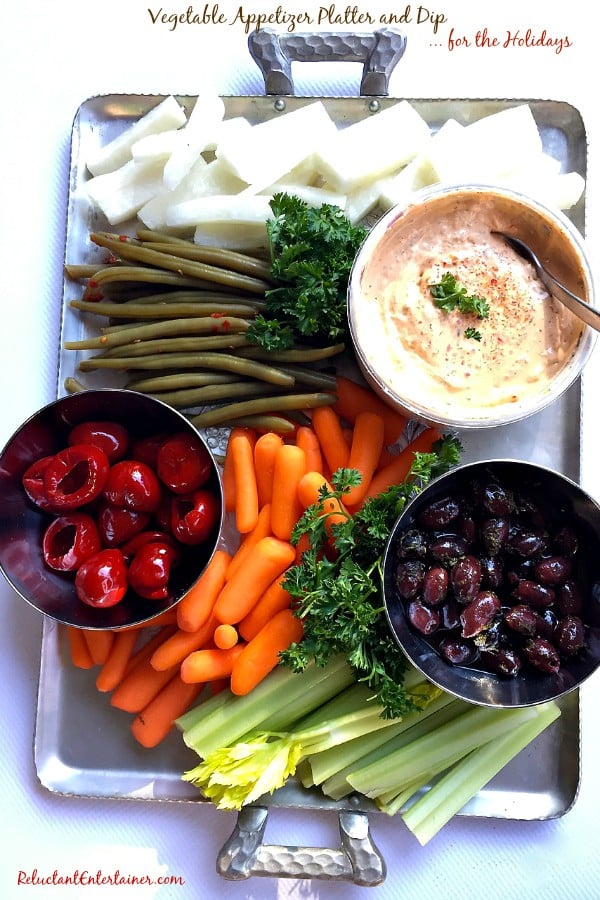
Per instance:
(575,304)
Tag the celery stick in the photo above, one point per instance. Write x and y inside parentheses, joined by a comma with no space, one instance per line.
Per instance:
(330,762)
(467,731)
(285,694)
(450,794)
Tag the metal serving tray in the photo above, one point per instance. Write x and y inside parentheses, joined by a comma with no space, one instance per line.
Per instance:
(83,746)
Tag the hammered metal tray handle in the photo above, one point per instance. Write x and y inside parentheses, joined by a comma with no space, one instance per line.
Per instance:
(274,53)
(357,859)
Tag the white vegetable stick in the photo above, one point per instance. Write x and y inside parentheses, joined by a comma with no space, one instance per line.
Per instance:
(166,115)
(275,147)
(373,147)
(314,196)
(233,237)
(153,214)
(489,148)
(250,209)
(560,191)
(155,146)
(200,131)
(120,194)
(235,129)
(361,201)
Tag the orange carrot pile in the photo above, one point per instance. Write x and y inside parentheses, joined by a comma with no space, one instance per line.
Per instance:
(230,628)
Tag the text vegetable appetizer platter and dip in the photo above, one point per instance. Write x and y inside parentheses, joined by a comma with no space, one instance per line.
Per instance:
(216,279)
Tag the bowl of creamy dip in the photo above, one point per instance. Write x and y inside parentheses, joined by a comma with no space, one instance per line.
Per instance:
(450,325)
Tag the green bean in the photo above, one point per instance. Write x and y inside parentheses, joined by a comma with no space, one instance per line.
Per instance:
(73,386)
(224,298)
(224,361)
(311,377)
(180,380)
(295,354)
(129,249)
(120,272)
(141,310)
(228,259)
(79,272)
(223,326)
(173,345)
(264,423)
(202,396)
(220,415)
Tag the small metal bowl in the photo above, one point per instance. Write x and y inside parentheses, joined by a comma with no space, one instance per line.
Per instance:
(420,359)
(471,683)
(22,524)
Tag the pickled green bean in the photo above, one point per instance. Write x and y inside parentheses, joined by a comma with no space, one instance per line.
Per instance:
(221,361)
(141,310)
(202,396)
(207,325)
(172,345)
(264,423)
(180,380)
(220,415)
(228,259)
(73,386)
(119,272)
(133,251)
(295,354)
(311,377)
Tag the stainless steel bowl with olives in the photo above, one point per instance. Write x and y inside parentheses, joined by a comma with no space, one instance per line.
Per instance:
(492,583)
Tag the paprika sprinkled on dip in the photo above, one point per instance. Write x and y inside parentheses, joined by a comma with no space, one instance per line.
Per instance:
(450,324)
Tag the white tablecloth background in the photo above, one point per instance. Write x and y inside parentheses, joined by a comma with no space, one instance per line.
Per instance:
(53,55)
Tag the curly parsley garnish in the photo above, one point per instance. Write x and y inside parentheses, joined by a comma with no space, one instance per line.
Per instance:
(449,295)
(312,250)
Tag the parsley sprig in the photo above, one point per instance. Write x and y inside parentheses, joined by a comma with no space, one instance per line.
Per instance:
(340,600)
(449,295)
(312,250)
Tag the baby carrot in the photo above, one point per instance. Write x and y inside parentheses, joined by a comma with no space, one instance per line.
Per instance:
(290,466)
(261,654)
(265,450)
(353,398)
(269,559)
(99,644)
(196,606)
(274,599)
(78,648)
(328,428)
(153,723)
(172,651)
(140,686)
(241,449)
(225,637)
(309,493)
(168,617)
(114,668)
(307,440)
(146,650)
(261,529)
(396,472)
(365,450)
(209,664)
(228,480)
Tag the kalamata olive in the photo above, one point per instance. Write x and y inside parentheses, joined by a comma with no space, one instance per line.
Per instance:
(448,549)
(569,600)
(450,614)
(503,661)
(569,635)
(465,578)
(480,613)
(540,654)
(440,513)
(546,623)
(457,652)
(409,577)
(540,596)
(411,543)
(467,528)
(423,618)
(553,569)
(522,619)
(435,586)
(527,542)
(527,506)
(496,500)
(566,541)
(494,533)
(492,572)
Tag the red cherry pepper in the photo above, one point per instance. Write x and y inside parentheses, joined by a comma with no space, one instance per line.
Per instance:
(130,547)
(134,485)
(69,540)
(117,524)
(150,569)
(101,581)
(33,483)
(75,476)
(194,516)
(183,463)
(112,437)
(146,449)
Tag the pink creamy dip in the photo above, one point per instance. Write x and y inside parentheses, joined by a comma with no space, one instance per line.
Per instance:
(419,351)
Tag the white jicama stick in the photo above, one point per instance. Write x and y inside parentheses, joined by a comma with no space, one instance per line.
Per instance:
(120,194)
(168,114)
(247,237)
(249,209)
(373,147)
(199,133)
